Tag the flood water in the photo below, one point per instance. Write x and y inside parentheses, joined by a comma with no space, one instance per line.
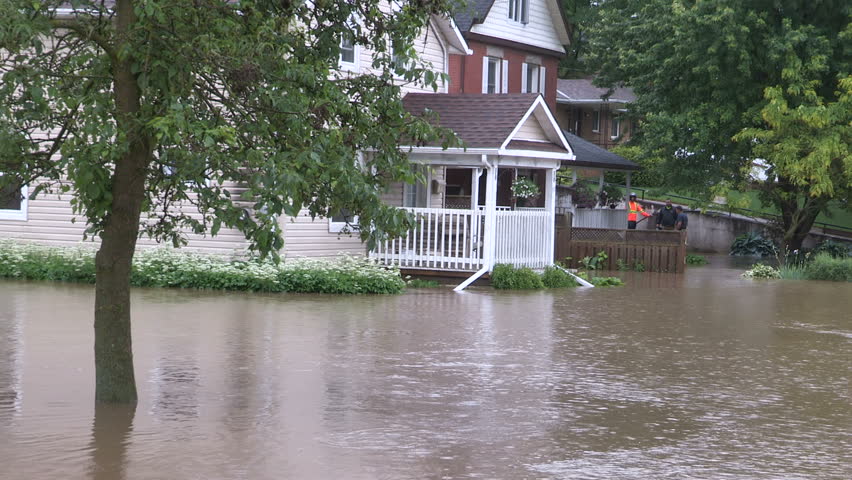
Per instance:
(698,376)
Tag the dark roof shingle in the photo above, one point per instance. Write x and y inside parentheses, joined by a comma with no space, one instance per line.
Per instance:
(481,121)
(581,89)
(590,155)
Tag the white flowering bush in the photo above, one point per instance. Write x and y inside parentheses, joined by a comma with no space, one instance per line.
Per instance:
(167,267)
(762,271)
(524,187)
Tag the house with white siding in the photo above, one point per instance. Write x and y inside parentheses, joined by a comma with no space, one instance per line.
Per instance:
(500,58)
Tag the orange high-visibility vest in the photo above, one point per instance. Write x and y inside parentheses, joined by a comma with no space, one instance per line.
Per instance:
(633,209)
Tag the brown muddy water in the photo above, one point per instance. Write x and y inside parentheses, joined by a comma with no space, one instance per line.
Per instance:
(698,376)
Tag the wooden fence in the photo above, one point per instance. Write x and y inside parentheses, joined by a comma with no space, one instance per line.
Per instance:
(654,250)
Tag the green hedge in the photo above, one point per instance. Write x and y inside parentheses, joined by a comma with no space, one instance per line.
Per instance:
(826,267)
(164,267)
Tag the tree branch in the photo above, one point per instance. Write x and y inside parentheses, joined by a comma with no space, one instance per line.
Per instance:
(82,31)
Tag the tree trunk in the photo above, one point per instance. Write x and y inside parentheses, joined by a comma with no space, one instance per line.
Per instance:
(798,219)
(114,378)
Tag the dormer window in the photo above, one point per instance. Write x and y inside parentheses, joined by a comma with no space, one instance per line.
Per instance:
(519,11)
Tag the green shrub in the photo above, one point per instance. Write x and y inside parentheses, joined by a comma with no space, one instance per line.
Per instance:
(762,271)
(421,283)
(826,267)
(835,249)
(621,265)
(692,259)
(556,278)
(606,281)
(164,267)
(752,243)
(596,262)
(507,277)
(638,266)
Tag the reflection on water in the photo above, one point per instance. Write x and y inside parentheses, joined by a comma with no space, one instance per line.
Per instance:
(111,430)
(704,375)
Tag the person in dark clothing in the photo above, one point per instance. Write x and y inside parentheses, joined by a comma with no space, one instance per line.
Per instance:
(682,221)
(667,217)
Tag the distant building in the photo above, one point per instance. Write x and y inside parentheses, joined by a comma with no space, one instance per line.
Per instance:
(593,113)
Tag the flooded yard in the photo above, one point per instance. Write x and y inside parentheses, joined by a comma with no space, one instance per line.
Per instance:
(704,376)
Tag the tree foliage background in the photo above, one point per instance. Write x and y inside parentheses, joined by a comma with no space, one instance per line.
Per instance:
(724,83)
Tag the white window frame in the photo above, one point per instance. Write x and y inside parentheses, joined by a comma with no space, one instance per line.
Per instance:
(17,214)
(356,55)
(501,74)
(615,127)
(596,121)
(339,227)
(519,11)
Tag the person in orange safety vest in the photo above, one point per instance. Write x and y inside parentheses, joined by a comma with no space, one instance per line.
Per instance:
(633,208)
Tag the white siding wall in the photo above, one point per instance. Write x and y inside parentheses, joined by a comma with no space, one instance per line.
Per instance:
(431,49)
(49,222)
(531,130)
(305,237)
(539,32)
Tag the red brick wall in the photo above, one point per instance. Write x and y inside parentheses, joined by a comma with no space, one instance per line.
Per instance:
(455,69)
(466,71)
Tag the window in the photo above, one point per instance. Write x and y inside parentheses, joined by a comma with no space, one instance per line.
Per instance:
(495,75)
(615,131)
(13,201)
(343,222)
(532,78)
(493,68)
(415,195)
(596,121)
(519,10)
(348,52)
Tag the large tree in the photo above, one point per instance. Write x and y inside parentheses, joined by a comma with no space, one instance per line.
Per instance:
(172,116)
(723,85)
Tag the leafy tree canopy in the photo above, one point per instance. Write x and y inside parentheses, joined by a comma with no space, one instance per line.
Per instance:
(722,84)
(225,93)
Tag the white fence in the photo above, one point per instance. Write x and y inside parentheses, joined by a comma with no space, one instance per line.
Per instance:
(523,238)
(600,218)
(442,239)
(453,239)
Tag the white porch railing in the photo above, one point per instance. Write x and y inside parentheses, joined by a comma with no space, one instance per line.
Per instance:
(442,239)
(600,218)
(523,238)
(454,239)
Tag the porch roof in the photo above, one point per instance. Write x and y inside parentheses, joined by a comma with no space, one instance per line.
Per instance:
(590,155)
(493,121)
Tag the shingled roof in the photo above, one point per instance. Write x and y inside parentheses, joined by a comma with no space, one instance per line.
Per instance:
(590,155)
(481,121)
(582,90)
(471,12)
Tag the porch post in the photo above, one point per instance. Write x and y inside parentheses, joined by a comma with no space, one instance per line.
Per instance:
(550,207)
(474,188)
(627,183)
(490,214)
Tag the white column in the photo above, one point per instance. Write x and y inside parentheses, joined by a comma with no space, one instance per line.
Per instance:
(550,206)
(490,214)
(474,188)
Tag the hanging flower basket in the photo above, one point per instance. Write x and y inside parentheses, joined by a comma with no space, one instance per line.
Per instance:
(524,187)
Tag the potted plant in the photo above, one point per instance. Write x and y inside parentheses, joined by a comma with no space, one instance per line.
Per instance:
(525,188)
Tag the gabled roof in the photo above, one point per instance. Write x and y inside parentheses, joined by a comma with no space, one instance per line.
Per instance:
(491,121)
(471,12)
(582,91)
(590,155)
